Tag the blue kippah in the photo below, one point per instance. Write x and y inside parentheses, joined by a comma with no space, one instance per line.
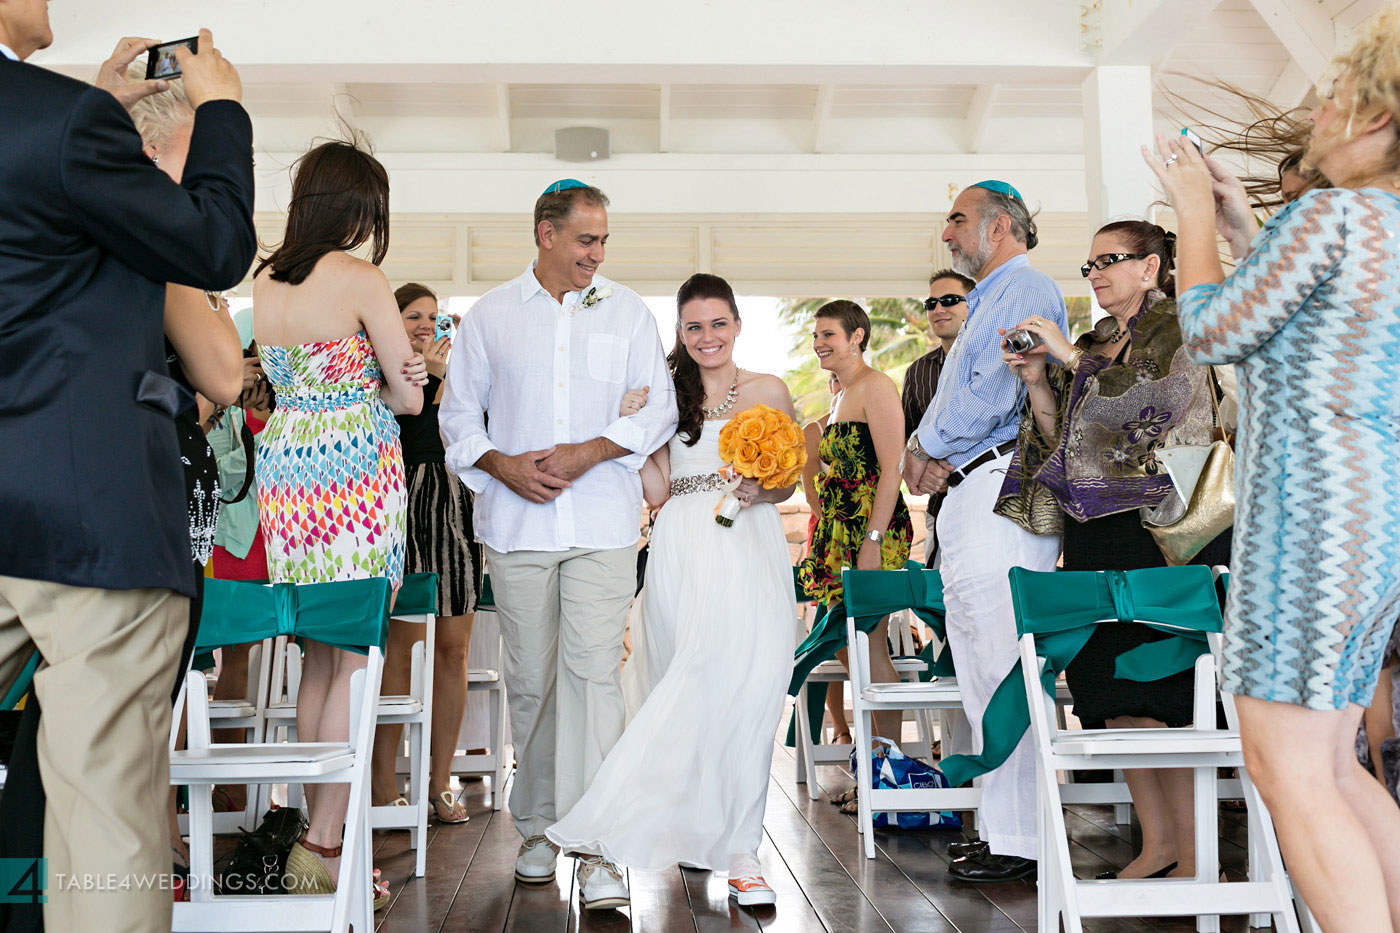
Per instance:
(564,184)
(1000,187)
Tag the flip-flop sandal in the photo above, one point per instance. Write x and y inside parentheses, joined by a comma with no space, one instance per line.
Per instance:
(843,798)
(445,799)
(851,807)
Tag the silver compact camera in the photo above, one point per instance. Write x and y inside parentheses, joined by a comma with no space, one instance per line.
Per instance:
(1021,340)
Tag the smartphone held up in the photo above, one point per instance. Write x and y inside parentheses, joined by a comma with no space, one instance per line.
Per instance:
(161,61)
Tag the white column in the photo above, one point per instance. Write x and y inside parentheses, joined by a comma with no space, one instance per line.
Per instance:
(1117,121)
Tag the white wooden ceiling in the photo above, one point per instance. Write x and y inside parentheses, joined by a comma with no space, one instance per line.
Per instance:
(796,146)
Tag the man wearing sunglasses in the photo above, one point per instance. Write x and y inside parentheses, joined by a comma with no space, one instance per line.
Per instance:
(946,308)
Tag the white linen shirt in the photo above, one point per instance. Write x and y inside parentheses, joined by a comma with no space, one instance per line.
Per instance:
(8,52)
(548,373)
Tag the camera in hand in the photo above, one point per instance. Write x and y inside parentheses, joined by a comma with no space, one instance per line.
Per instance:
(1021,340)
(161,62)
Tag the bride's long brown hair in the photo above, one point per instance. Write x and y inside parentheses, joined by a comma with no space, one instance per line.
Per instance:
(685,372)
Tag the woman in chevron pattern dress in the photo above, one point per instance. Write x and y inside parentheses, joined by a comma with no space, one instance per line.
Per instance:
(1311,319)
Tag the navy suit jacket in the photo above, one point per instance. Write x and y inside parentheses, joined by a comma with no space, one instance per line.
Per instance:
(91,486)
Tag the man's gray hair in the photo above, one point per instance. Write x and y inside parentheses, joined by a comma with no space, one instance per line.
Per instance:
(556,206)
(994,204)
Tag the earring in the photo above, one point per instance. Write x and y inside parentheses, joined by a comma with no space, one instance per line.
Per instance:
(155,160)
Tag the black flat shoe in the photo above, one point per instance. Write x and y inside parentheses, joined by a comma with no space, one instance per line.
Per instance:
(989,868)
(1113,875)
(964,849)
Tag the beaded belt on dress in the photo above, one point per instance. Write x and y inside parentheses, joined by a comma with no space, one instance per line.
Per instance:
(703,482)
(325,401)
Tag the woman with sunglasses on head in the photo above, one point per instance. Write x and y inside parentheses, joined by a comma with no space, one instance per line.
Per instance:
(1309,318)
(1096,412)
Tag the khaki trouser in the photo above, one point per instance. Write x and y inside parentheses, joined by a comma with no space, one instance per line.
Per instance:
(109,663)
(563,615)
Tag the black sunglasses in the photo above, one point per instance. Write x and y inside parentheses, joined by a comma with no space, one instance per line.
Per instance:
(1107,259)
(946,301)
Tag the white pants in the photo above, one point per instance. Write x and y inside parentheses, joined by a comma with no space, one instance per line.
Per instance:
(562,615)
(977,549)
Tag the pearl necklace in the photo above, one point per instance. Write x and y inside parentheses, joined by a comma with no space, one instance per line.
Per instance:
(723,409)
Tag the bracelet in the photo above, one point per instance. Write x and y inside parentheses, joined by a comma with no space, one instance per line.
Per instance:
(1071,362)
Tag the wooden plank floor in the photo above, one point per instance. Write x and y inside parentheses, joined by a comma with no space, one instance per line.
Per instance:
(811,855)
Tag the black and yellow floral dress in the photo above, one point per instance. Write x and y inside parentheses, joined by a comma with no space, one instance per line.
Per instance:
(847,494)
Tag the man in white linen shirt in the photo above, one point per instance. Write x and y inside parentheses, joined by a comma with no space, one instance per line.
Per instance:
(547,357)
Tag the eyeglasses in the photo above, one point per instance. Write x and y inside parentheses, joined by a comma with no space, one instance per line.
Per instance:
(1107,259)
(946,301)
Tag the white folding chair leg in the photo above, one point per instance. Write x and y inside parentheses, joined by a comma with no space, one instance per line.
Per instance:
(1122,812)
(1205,803)
(865,819)
(806,764)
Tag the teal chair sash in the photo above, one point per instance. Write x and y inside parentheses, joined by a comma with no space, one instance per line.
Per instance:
(347,614)
(21,684)
(486,601)
(418,596)
(1062,609)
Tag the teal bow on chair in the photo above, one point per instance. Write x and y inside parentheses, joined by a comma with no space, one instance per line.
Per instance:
(875,594)
(418,596)
(1061,610)
(347,614)
(880,593)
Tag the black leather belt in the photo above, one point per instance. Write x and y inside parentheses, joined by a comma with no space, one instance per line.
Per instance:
(986,456)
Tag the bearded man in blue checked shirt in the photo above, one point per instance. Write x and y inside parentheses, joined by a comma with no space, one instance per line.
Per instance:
(964,444)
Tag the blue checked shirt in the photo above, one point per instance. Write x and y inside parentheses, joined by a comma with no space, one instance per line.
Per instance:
(979,399)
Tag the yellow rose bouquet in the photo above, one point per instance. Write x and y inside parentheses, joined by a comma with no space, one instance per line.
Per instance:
(763,444)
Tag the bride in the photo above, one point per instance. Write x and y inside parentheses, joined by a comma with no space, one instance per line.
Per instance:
(688,780)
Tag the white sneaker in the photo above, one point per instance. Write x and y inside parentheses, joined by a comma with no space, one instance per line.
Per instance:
(746,884)
(600,884)
(534,864)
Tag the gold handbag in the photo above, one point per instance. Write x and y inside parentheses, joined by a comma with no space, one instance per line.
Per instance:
(1212,506)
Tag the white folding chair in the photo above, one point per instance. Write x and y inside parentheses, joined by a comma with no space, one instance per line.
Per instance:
(1200,747)
(495,762)
(202,765)
(248,713)
(417,602)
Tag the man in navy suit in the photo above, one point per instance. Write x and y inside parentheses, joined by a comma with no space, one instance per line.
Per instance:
(94,549)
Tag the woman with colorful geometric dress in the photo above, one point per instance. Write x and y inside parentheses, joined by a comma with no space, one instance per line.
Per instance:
(864,523)
(331,493)
(1311,319)
(1085,459)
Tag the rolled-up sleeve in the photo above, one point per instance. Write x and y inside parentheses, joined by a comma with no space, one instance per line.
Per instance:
(465,400)
(648,429)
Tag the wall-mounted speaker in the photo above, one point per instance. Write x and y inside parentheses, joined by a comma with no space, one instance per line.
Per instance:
(581,144)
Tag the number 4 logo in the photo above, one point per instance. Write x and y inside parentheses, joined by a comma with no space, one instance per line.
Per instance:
(23,880)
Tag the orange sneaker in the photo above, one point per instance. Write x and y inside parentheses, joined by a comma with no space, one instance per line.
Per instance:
(746,884)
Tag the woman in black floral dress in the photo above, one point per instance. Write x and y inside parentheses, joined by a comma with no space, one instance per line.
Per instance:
(864,523)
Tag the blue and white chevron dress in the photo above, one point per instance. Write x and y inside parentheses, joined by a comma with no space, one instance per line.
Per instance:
(1312,321)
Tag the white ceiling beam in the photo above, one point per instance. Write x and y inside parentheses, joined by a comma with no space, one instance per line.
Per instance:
(663,135)
(1143,33)
(503,114)
(1290,88)
(821,116)
(1304,29)
(978,112)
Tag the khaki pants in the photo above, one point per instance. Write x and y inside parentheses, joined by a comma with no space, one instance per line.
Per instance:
(110,659)
(563,615)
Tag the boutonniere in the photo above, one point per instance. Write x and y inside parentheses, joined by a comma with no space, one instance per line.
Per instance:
(595,295)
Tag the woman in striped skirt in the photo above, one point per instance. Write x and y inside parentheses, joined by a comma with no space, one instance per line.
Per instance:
(439,541)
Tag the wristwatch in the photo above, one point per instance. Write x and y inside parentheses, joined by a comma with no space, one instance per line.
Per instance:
(875,537)
(916,450)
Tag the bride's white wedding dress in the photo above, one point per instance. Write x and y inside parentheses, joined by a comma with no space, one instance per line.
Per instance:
(688,780)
